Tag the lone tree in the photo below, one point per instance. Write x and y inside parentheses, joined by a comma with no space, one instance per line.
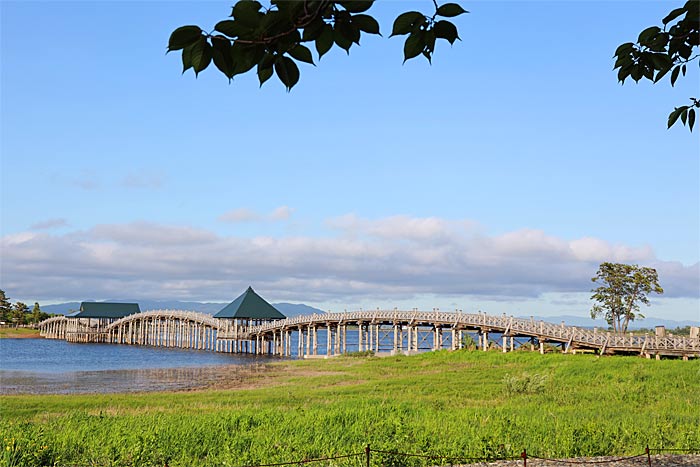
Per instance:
(271,40)
(622,288)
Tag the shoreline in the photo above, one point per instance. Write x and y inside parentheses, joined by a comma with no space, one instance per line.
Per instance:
(19,333)
(135,381)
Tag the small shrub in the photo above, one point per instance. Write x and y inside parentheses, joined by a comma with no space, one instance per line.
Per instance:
(525,384)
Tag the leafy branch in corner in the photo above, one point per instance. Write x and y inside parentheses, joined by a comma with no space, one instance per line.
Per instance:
(659,51)
(271,39)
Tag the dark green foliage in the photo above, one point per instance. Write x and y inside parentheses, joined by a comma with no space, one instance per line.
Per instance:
(5,307)
(270,38)
(659,50)
(19,313)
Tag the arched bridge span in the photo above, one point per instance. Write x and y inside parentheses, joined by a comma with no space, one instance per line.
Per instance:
(327,334)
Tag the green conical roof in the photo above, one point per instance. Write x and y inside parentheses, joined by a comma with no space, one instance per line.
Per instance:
(106,310)
(249,306)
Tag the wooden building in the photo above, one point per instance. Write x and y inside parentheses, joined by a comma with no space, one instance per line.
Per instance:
(90,322)
(236,318)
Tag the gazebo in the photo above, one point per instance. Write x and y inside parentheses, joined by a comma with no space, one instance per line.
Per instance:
(87,324)
(249,309)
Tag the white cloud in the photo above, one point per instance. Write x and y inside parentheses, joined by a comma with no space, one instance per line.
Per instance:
(239,215)
(281,213)
(393,258)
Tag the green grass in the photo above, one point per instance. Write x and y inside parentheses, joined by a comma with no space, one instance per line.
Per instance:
(462,404)
(10,332)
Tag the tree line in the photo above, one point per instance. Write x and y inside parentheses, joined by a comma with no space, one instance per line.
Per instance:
(19,313)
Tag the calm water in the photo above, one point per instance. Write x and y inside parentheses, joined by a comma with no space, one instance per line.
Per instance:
(52,366)
(55,366)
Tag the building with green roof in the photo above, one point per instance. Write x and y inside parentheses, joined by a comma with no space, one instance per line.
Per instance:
(249,309)
(106,310)
(88,324)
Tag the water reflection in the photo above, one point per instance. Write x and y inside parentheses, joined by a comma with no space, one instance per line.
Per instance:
(117,381)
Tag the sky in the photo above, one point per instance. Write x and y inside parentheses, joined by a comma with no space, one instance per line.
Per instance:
(496,179)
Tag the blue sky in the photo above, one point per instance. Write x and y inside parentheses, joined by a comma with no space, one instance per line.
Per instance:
(497,179)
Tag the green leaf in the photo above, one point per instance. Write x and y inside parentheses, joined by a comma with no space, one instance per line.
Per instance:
(674,74)
(313,30)
(446,30)
(624,49)
(366,23)
(183,36)
(430,42)
(449,10)
(245,57)
(264,74)
(301,53)
(673,116)
(624,72)
(414,45)
(691,119)
(232,28)
(201,55)
(406,22)
(324,42)
(267,61)
(186,58)
(287,72)
(340,39)
(660,61)
(637,73)
(661,74)
(349,31)
(647,34)
(684,116)
(357,6)
(221,54)
(248,13)
(673,15)
(274,23)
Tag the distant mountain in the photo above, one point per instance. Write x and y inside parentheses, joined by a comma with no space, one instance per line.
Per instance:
(296,309)
(585,322)
(287,309)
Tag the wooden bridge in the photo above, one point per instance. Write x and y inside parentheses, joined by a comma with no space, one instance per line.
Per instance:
(391,331)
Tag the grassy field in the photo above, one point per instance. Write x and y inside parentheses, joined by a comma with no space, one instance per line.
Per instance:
(463,404)
(7,332)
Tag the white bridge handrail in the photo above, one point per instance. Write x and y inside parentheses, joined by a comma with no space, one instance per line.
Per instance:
(490,323)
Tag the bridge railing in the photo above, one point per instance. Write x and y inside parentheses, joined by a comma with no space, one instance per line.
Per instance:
(504,324)
(491,323)
(53,319)
(183,315)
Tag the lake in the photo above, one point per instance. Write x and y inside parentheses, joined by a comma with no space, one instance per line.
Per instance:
(49,366)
